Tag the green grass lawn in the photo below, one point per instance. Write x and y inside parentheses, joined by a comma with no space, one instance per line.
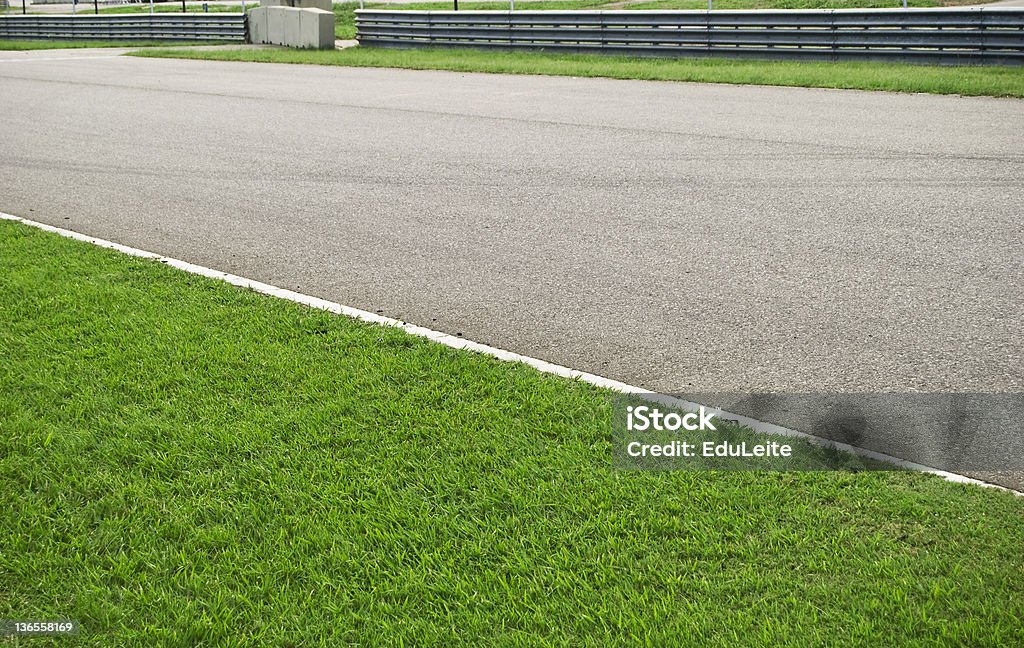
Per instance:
(994,81)
(183,462)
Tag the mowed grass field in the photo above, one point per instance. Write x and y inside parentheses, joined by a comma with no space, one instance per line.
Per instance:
(184,463)
(968,81)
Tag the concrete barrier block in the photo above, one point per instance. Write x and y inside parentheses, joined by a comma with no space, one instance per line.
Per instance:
(258,25)
(325,5)
(317,27)
(275,24)
(326,29)
(292,26)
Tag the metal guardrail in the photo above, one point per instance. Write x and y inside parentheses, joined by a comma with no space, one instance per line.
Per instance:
(157,26)
(993,36)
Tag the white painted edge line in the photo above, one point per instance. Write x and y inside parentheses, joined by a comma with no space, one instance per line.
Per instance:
(501,354)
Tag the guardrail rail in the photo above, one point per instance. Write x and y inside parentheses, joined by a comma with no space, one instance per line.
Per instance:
(991,35)
(157,26)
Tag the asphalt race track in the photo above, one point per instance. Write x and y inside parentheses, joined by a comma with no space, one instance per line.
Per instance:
(684,237)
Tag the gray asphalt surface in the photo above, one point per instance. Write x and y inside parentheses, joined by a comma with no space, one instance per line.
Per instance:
(684,237)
